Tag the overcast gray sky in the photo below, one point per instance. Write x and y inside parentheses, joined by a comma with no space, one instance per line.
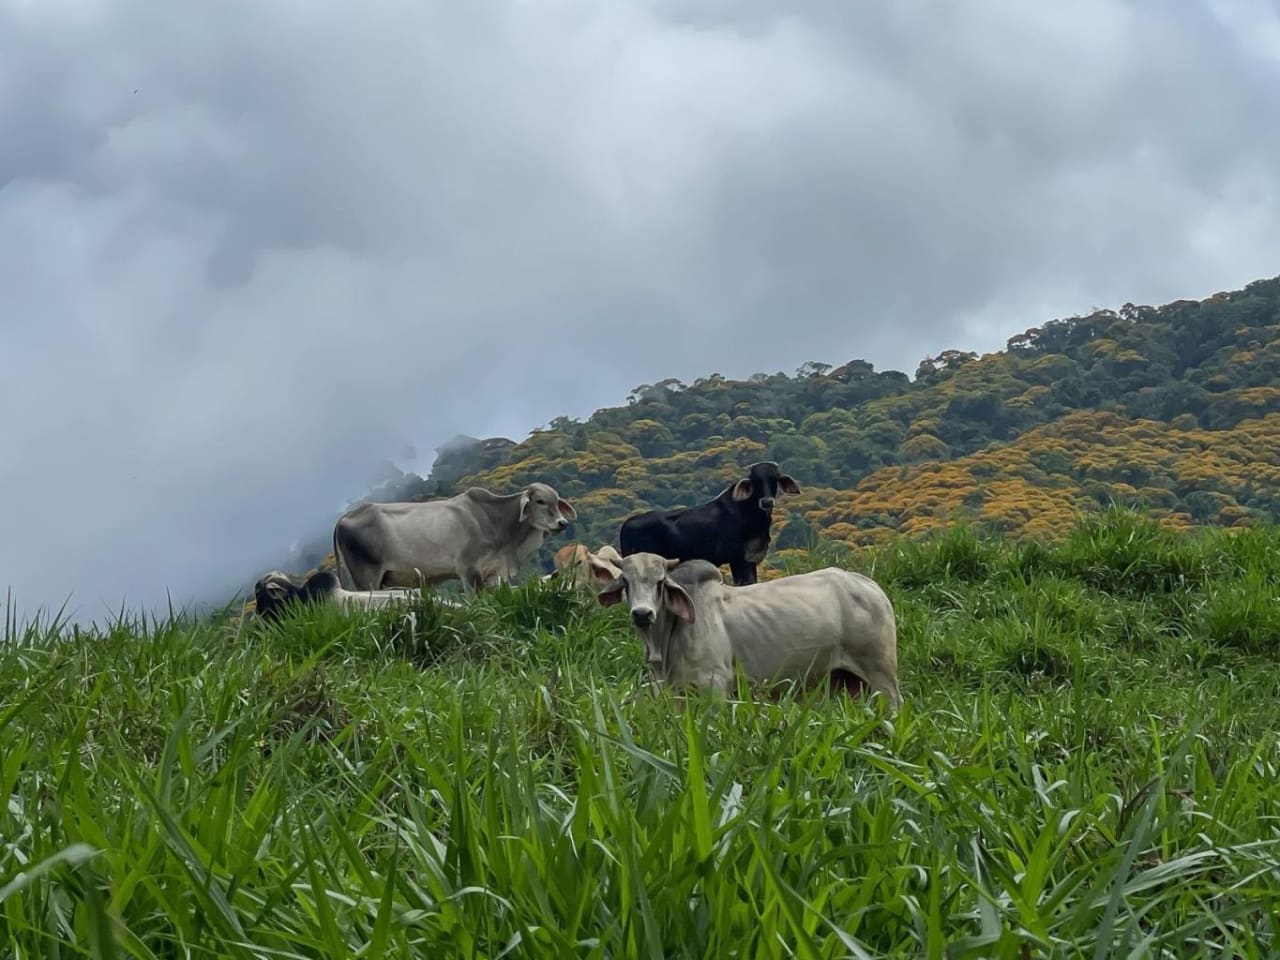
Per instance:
(245,252)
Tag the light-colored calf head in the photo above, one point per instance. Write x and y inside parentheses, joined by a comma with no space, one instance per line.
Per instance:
(543,509)
(584,567)
(651,594)
(570,555)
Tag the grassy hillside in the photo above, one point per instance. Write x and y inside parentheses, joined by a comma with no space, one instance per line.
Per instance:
(1171,408)
(1086,766)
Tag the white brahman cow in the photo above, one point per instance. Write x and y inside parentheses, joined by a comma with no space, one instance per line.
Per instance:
(478,537)
(805,628)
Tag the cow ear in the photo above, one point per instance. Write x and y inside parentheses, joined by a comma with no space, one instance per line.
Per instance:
(566,510)
(678,601)
(742,489)
(524,505)
(611,594)
(605,573)
(788,485)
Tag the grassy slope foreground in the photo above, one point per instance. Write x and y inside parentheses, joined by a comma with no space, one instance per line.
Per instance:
(1086,766)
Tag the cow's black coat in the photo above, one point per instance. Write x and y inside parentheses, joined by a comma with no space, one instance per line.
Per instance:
(733,528)
(275,591)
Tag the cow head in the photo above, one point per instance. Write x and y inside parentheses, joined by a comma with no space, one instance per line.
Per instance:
(650,592)
(571,555)
(272,592)
(764,481)
(543,509)
(581,565)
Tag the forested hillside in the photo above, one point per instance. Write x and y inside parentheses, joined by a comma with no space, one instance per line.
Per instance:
(1174,409)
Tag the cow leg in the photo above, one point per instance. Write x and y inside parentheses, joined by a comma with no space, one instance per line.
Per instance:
(721,681)
(503,573)
(883,681)
(472,579)
(888,685)
(364,576)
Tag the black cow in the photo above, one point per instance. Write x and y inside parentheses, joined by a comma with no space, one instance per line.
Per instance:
(733,528)
(274,591)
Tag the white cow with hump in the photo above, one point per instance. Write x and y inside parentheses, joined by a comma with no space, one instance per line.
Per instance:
(478,537)
(803,628)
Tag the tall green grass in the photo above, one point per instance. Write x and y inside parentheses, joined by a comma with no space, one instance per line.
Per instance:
(1086,766)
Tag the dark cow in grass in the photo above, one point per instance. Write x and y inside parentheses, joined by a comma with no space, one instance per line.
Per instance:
(733,528)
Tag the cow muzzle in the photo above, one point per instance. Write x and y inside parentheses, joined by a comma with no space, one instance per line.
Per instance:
(642,617)
(766,503)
